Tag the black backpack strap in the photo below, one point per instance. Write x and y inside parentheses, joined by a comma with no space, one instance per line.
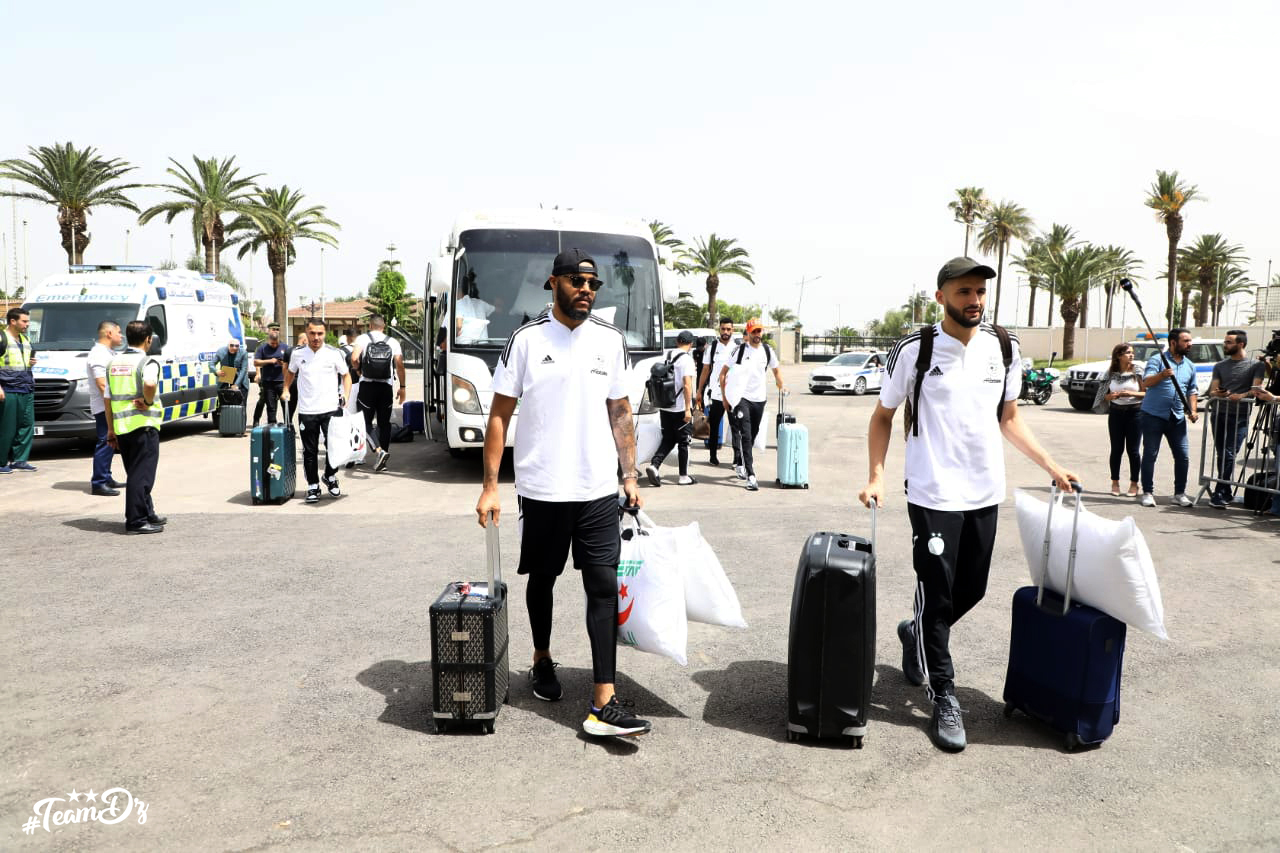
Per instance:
(741,349)
(768,356)
(1006,354)
(712,358)
(923,357)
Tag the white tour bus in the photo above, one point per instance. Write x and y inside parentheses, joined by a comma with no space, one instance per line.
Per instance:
(487,282)
(192,317)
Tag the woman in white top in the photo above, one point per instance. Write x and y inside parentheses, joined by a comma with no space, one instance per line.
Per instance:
(1120,396)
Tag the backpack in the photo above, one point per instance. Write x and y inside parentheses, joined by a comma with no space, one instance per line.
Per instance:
(768,354)
(375,361)
(663,392)
(925,357)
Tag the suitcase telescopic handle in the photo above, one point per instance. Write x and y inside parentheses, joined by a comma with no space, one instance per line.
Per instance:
(493,555)
(873,506)
(1071,553)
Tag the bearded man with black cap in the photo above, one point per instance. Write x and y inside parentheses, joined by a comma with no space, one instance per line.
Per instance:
(567,369)
(961,402)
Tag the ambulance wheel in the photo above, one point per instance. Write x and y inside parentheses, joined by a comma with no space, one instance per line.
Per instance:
(860,386)
(1073,741)
(488,727)
(1008,710)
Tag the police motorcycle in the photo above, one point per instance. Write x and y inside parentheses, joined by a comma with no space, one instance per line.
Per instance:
(1037,384)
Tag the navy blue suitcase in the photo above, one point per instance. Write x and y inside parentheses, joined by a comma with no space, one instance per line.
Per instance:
(1065,658)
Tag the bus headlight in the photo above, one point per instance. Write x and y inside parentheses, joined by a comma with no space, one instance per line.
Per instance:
(465,398)
(646,407)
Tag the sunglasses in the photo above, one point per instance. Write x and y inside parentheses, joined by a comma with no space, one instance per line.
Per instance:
(580,282)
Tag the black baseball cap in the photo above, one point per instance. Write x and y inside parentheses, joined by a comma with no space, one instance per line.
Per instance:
(572,262)
(960,267)
(685,337)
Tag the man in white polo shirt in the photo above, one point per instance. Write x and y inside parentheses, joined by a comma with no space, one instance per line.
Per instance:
(742,384)
(677,419)
(715,357)
(567,370)
(954,473)
(378,359)
(319,368)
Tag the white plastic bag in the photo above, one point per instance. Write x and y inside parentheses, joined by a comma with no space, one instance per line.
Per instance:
(353,403)
(708,595)
(1114,571)
(648,437)
(344,442)
(651,614)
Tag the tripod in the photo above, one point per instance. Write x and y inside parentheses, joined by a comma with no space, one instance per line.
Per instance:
(1261,436)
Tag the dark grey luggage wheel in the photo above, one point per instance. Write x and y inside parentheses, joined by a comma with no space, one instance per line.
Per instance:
(855,741)
(1008,710)
(792,737)
(1073,741)
(441,727)
(488,727)
(506,700)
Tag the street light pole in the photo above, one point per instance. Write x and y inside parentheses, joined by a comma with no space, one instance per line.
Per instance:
(800,304)
(126,245)
(322,312)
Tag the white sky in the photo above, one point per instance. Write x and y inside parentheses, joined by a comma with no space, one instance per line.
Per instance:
(826,137)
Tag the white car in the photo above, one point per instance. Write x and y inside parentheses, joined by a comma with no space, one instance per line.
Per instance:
(858,372)
(1082,380)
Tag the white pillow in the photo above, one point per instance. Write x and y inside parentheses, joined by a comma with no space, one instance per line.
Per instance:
(1114,571)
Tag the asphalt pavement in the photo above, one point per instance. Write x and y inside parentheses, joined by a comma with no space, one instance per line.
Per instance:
(260,675)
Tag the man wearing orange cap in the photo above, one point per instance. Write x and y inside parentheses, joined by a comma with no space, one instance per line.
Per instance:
(742,384)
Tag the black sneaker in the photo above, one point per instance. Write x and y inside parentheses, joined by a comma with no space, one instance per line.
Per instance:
(545,684)
(910,654)
(613,721)
(313,495)
(946,729)
(714,461)
(332,483)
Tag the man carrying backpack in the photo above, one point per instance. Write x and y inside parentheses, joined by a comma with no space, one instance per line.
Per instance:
(742,385)
(960,379)
(715,357)
(676,415)
(375,354)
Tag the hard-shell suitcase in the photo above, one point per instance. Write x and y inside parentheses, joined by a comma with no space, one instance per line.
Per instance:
(230,414)
(793,450)
(415,415)
(1065,657)
(469,674)
(273,464)
(831,655)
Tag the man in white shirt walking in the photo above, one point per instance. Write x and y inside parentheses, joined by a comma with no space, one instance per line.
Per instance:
(109,337)
(677,419)
(568,371)
(715,357)
(742,384)
(375,356)
(967,398)
(318,368)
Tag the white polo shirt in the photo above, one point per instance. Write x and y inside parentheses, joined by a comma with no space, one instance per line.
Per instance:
(319,378)
(746,379)
(957,461)
(96,367)
(720,359)
(683,367)
(362,344)
(564,447)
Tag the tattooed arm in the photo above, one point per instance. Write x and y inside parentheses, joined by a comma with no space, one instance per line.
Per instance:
(624,437)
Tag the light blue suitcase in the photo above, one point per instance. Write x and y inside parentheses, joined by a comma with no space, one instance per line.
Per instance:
(793,451)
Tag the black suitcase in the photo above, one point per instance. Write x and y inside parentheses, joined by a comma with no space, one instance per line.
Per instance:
(469,674)
(831,656)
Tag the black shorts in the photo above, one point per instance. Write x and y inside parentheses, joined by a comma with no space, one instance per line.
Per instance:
(548,528)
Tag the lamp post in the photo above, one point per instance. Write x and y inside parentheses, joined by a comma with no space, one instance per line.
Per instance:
(800,303)
(126,245)
(322,317)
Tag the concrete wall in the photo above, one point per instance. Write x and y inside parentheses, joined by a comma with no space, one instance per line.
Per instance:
(1096,344)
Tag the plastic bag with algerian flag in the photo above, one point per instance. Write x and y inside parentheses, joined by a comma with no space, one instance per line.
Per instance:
(667,577)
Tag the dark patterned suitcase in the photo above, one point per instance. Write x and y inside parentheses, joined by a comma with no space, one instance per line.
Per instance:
(469,674)
(273,464)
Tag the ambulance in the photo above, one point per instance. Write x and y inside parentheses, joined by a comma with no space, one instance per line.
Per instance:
(192,317)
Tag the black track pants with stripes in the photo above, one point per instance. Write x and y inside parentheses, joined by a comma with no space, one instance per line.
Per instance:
(952,556)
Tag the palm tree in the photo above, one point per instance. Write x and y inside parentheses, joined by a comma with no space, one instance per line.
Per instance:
(782,316)
(970,205)
(1229,280)
(664,236)
(1121,264)
(713,258)
(1166,197)
(1001,225)
(1032,261)
(74,180)
(277,220)
(1074,273)
(1058,239)
(1208,254)
(213,190)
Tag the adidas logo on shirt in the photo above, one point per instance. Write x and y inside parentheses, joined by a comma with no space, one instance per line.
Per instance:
(548,360)
(937,371)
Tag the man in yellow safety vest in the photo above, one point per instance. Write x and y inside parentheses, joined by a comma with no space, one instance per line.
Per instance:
(133,425)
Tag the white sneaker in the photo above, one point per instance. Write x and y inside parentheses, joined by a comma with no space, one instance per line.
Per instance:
(651,471)
(686,480)
(1148,499)
(740,471)
(1181,499)
(752,485)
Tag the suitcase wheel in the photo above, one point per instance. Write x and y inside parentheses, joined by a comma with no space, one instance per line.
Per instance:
(1073,741)
(792,737)
(488,727)
(806,485)
(506,700)
(441,727)
(1008,710)
(855,741)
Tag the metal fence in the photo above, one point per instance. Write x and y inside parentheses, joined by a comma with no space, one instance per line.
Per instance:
(826,347)
(1238,447)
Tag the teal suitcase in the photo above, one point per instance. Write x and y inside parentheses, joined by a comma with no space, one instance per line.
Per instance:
(273,464)
(793,451)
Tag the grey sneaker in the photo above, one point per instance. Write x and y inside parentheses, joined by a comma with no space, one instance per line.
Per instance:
(910,656)
(652,473)
(740,472)
(946,729)
(1217,502)
(1148,499)
(1181,499)
(384,457)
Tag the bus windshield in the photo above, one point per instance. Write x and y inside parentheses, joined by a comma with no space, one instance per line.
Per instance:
(499,274)
(74,325)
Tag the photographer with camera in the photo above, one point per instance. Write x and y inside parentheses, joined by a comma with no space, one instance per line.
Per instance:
(1236,380)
